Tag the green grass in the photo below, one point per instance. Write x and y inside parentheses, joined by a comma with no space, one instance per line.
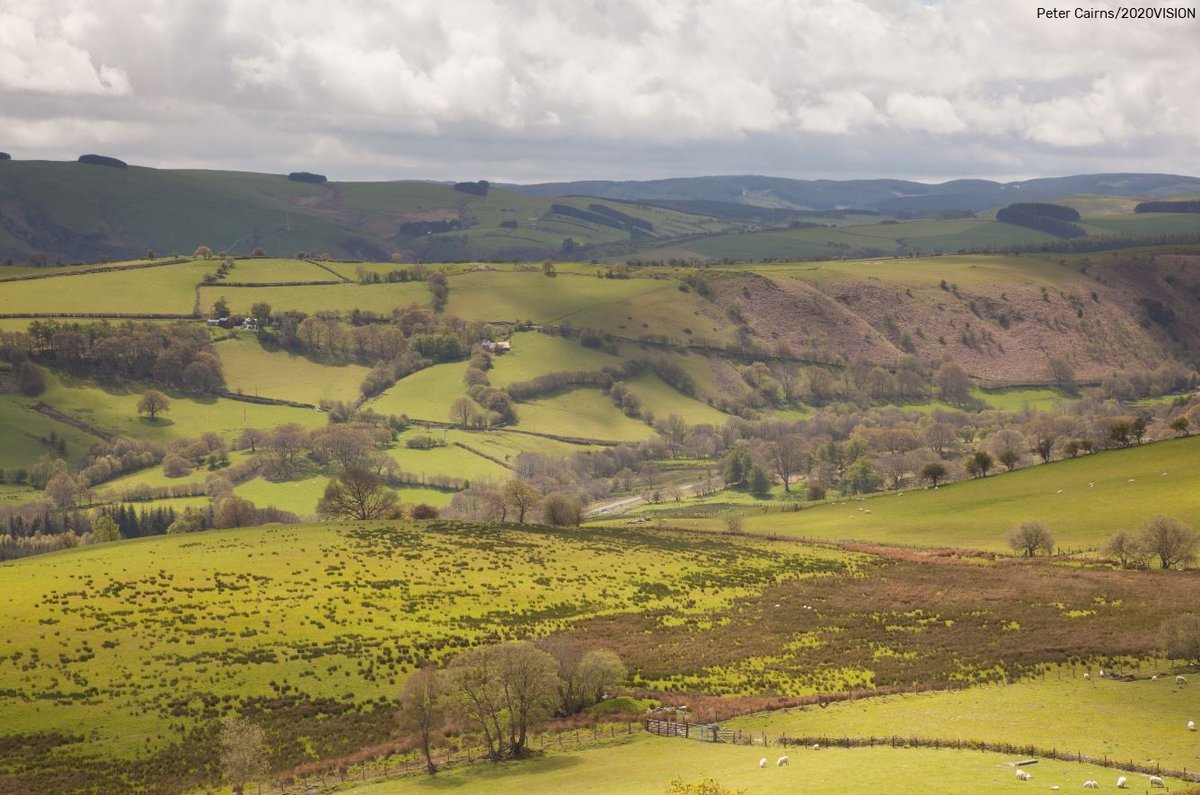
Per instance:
(979,513)
(379,298)
(168,289)
(450,460)
(500,295)
(1062,711)
(424,395)
(187,417)
(581,413)
(265,270)
(252,369)
(534,354)
(179,618)
(155,478)
(23,430)
(662,399)
(1022,399)
(645,764)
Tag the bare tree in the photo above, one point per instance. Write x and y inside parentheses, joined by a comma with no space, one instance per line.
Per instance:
(1169,540)
(786,457)
(584,676)
(356,493)
(1126,548)
(243,757)
(462,410)
(423,709)
(1180,637)
(1031,537)
(522,497)
(504,690)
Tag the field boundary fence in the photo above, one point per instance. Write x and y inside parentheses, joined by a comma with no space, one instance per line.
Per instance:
(713,733)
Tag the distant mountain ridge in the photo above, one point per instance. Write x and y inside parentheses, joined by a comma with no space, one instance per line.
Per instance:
(900,197)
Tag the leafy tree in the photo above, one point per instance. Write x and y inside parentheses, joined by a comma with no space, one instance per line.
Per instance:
(356,493)
(202,252)
(423,709)
(1179,425)
(220,308)
(190,521)
(759,482)
(521,497)
(735,466)
(104,530)
(1010,458)
(980,463)
(953,383)
(934,472)
(63,490)
(1180,637)
(261,312)
(860,478)
(584,676)
(234,512)
(1126,548)
(153,403)
(1169,540)
(1031,537)
(243,755)
(562,510)
(504,690)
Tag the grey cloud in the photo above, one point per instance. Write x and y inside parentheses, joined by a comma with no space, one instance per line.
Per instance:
(532,89)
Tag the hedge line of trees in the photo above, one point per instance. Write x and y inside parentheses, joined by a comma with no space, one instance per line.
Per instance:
(1052,219)
(1188,206)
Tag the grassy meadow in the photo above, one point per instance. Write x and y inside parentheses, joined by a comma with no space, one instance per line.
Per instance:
(645,764)
(253,369)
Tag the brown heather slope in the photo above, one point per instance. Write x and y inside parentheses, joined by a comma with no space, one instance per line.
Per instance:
(1001,318)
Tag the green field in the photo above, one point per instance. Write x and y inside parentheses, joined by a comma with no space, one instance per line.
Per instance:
(133,636)
(1061,711)
(529,295)
(534,354)
(187,417)
(449,460)
(166,289)
(424,395)
(582,413)
(645,764)
(379,298)
(25,434)
(252,369)
(979,513)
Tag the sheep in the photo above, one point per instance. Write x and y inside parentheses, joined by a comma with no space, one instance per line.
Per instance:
(1087,676)
(781,762)
(1091,785)
(1156,781)
(1023,776)
(762,763)
(1122,783)
(1191,725)
(1060,491)
(1154,678)
(1181,679)
(816,746)
(1055,788)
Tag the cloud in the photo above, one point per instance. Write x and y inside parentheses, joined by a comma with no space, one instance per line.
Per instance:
(529,89)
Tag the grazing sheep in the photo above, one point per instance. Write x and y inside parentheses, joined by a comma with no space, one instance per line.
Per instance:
(1023,776)
(1101,673)
(1191,725)
(1059,491)
(782,762)
(1131,480)
(1054,788)
(816,746)
(1091,485)
(1122,783)
(1181,680)
(1091,785)
(762,762)
(1086,675)
(1154,678)
(1156,781)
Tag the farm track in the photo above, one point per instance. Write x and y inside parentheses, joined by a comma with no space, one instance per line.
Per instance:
(74,422)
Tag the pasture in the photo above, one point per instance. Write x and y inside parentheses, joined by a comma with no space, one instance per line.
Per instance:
(586,413)
(26,434)
(1083,500)
(494,295)
(1061,710)
(253,369)
(380,298)
(164,289)
(645,764)
(129,646)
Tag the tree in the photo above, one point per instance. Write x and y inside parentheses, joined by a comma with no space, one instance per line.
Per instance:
(1063,374)
(934,472)
(1010,458)
(251,438)
(104,530)
(1031,537)
(735,466)
(423,709)
(356,493)
(234,512)
(979,464)
(63,490)
(220,308)
(261,312)
(583,676)
(504,690)
(243,757)
(521,497)
(759,482)
(953,383)
(1180,637)
(786,455)
(1179,425)
(190,521)
(1126,549)
(202,252)
(461,411)
(153,402)
(562,510)
(1169,540)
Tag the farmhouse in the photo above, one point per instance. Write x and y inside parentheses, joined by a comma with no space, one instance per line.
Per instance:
(496,346)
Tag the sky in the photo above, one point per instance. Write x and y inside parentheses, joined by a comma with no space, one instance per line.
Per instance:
(540,90)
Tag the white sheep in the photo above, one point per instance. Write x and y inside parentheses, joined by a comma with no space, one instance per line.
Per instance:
(762,763)
(1091,785)
(782,762)
(1156,781)
(1087,676)
(1191,725)
(1122,783)
(1181,679)
(816,746)
(1023,776)
(1154,678)
(1055,788)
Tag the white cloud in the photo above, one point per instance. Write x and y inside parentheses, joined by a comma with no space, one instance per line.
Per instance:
(631,88)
